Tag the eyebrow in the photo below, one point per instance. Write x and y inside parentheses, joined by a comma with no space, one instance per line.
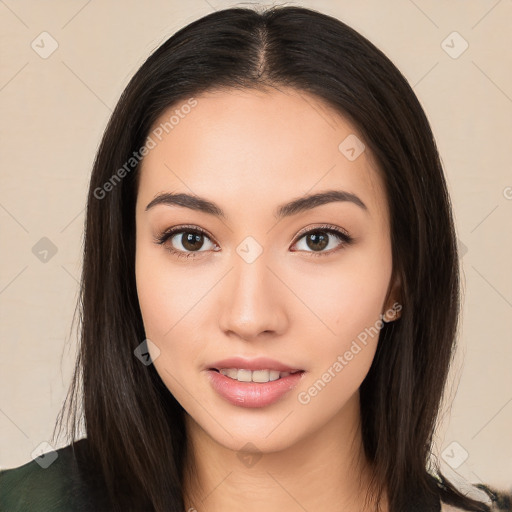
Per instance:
(285,210)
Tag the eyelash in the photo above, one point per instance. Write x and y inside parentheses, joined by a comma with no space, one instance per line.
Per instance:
(168,233)
(342,236)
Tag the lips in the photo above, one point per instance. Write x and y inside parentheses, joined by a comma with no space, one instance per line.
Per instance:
(253,394)
(258,391)
(259,363)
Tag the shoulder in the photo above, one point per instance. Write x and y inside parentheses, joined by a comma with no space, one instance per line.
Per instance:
(62,482)
(497,500)
(451,508)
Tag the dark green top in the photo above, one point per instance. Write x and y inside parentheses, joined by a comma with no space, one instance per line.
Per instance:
(69,484)
(65,485)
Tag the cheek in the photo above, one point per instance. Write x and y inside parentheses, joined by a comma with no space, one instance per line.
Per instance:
(166,306)
(348,297)
(167,294)
(165,320)
(157,298)
(341,358)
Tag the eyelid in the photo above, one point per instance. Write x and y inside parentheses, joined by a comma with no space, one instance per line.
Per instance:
(166,233)
(320,227)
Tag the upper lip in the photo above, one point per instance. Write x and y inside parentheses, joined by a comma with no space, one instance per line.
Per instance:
(258,363)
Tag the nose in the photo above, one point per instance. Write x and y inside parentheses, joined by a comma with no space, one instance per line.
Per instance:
(252,302)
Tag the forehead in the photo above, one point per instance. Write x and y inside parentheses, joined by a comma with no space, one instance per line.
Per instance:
(258,147)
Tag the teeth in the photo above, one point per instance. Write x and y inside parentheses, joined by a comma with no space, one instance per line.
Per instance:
(253,376)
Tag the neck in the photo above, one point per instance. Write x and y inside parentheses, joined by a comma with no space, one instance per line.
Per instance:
(323,468)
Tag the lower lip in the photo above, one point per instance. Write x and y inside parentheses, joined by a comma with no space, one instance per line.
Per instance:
(252,394)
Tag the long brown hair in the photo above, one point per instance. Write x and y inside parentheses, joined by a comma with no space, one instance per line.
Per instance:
(135,427)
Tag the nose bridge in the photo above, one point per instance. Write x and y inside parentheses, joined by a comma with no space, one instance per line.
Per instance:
(251,304)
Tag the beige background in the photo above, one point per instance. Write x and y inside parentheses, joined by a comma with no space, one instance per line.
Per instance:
(54,111)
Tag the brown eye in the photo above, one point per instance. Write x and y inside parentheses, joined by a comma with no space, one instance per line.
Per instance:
(185,242)
(317,241)
(322,240)
(190,241)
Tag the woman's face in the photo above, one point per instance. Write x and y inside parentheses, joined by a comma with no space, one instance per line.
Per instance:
(261,280)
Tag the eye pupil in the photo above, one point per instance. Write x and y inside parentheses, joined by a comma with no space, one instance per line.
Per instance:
(192,241)
(322,239)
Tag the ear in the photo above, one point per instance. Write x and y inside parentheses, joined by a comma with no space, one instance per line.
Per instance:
(393,303)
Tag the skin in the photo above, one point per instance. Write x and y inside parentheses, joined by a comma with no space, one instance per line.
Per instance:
(250,151)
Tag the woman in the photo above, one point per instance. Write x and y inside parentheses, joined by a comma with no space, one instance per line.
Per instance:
(270,285)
